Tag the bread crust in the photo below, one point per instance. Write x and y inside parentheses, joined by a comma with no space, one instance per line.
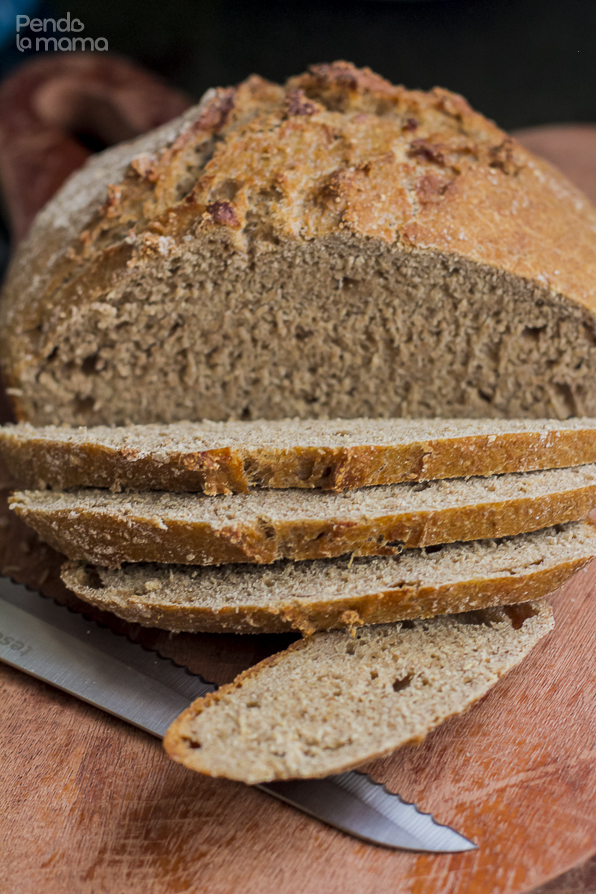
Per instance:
(36,459)
(385,606)
(109,538)
(337,160)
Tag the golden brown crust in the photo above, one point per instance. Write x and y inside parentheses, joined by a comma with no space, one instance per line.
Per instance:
(111,539)
(315,159)
(41,462)
(404,601)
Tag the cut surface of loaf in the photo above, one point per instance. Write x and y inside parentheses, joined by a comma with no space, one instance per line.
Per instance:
(228,457)
(333,701)
(337,593)
(334,247)
(264,526)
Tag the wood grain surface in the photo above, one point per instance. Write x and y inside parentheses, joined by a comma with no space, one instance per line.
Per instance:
(94,805)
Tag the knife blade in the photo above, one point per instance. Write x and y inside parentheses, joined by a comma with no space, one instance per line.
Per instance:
(61,647)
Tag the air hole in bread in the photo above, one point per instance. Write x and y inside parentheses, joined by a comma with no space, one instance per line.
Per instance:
(305,471)
(567,396)
(348,283)
(475,619)
(517,614)
(89,364)
(84,404)
(532,333)
(589,334)
(400,684)
(192,743)
(374,675)
(268,531)
(92,579)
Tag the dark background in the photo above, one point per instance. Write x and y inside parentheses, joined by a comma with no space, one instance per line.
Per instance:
(521,62)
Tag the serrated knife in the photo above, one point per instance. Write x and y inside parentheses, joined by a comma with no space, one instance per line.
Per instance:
(64,648)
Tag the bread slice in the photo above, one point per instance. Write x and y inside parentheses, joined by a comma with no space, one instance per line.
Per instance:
(264,526)
(333,247)
(229,457)
(335,700)
(334,593)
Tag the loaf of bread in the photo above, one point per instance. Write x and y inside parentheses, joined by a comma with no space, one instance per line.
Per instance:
(263,526)
(228,457)
(334,248)
(334,593)
(333,701)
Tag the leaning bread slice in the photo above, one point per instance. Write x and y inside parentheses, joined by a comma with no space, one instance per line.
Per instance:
(342,592)
(333,701)
(264,526)
(231,457)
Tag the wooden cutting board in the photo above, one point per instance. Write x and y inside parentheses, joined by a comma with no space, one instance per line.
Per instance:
(93,804)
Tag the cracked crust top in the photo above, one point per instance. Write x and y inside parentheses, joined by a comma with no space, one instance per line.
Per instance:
(337,150)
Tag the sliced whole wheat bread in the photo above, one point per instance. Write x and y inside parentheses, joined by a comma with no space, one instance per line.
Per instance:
(333,701)
(264,526)
(334,593)
(229,457)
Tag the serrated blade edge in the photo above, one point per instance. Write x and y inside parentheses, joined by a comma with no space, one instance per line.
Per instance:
(48,641)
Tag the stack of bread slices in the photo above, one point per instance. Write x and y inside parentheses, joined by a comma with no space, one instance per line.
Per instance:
(411,554)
